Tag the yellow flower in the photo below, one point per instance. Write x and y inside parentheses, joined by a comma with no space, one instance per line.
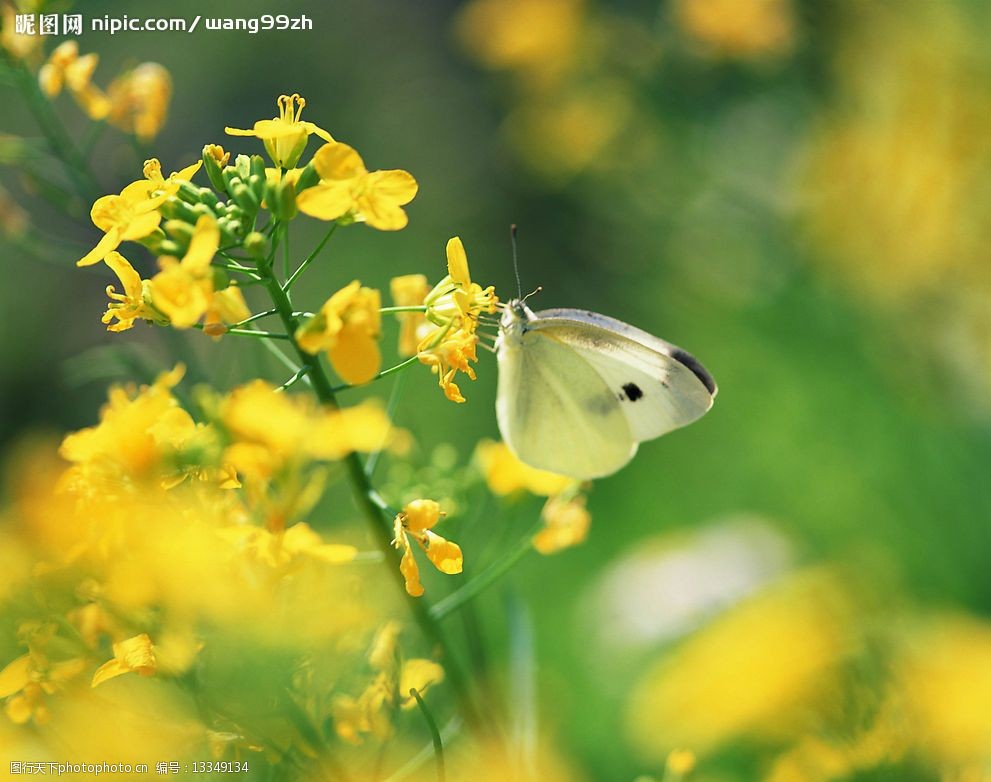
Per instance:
(126,445)
(454,307)
(368,713)
(26,680)
(409,290)
(680,762)
(134,302)
(739,28)
(347,327)
(66,68)
(183,290)
(284,136)
(566,524)
(415,521)
(347,188)
(540,37)
(747,672)
(133,655)
(287,548)
(505,473)
(19,45)
(139,100)
(448,356)
(133,213)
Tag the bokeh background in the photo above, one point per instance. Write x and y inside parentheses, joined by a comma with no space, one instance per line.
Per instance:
(796,587)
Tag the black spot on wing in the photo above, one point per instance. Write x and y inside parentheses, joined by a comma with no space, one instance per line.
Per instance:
(691,363)
(633,392)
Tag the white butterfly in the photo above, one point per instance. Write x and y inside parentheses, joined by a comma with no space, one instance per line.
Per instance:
(579,391)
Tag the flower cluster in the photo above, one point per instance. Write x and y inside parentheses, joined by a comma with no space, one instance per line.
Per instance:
(137,101)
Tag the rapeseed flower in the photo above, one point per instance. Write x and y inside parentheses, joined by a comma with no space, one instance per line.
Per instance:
(416,521)
(139,100)
(134,303)
(409,290)
(133,213)
(65,68)
(347,327)
(284,136)
(348,189)
(133,655)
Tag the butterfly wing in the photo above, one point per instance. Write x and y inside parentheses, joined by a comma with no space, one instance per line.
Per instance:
(659,386)
(556,412)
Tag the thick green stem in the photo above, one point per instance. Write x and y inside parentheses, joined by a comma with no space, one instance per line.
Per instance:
(369,501)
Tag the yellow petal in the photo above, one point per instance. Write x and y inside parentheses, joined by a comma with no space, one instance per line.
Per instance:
(15,675)
(380,213)
(420,515)
(505,473)
(418,674)
(445,555)
(338,162)
(129,278)
(141,226)
(110,241)
(355,356)
(457,262)
(109,670)
(203,246)
(137,654)
(396,185)
(326,201)
(410,571)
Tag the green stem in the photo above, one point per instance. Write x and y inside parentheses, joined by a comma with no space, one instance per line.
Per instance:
(58,139)
(414,308)
(309,259)
(483,581)
(384,373)
(397,391)
(434,734)
(300,374)
(248,333)
(366,497)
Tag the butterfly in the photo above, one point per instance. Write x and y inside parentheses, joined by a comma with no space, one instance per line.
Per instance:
(579,391)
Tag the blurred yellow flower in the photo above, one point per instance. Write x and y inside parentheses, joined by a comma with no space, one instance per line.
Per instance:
(133,213)
(505,473)
(123,447)
(347,326)
(538,37)
(409,290)
(370,712)
(416,521)
(347,188)
(680,762)
(944,672)
(20,45)
(132,655)
(739,28)
(139,100)
(566,523)
(135,302)
(26,680)
(892,191)
(288,548)
(66,68)
(284,136)
(748,671)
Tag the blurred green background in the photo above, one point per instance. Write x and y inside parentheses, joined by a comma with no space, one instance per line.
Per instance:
(795,192)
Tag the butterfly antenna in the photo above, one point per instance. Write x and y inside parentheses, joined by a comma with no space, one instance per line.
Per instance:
(516,267)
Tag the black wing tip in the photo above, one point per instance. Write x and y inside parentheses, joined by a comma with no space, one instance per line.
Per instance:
(690,362)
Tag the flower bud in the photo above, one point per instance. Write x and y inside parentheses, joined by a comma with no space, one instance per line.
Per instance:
(256,245)
(281,199)
(214,159)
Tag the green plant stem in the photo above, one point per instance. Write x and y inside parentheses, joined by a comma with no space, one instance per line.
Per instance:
(368,500)
(384,373)
(309,259)
(58,139)
(248,332)
(412,308)
(482,581)
(434,734)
